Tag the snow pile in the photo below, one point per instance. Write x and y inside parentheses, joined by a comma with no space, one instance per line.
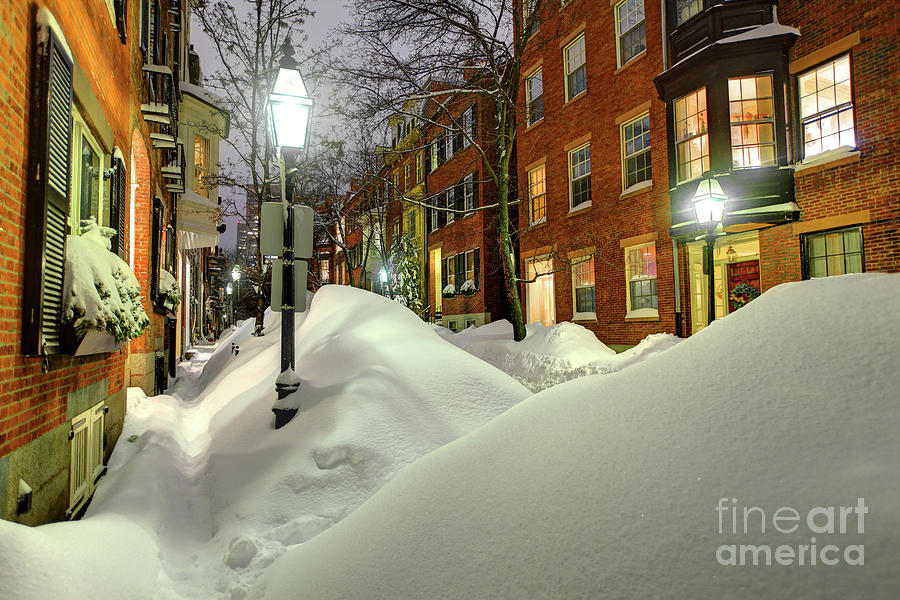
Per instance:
(608,486)
(100,291)
(550,355)
(202,494)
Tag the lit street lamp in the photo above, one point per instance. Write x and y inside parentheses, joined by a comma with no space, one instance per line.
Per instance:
(289,110)
(230,301)
(236,277)
(709,207)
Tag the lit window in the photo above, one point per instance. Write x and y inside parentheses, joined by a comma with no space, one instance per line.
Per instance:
(834,252)
(583,288)
(580,176)
(636,151)
(534,90)
(537,195)
(201,164)
(641,273)
(411,223)
(576,71)
(630,29)
(685,9)
(752,112)
(826,107)
(324,271)
(691,139)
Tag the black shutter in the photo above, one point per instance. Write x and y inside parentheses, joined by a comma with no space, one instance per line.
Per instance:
(47,207)
(122,18)
(154,35)
(445,274)
(427,154)
(477,268)
(145,26)
(120,204)
(459,197)
(475,187)
(155,241)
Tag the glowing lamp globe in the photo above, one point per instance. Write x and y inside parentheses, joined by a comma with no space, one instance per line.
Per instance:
(709,202)
(289,110)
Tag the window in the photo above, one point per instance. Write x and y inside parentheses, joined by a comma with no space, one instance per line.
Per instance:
(441,150)
(537,195)
(411,223)
(471,123)
(459,268)
(418,167)
(396,182)
(636,151)
(527,11)
(576,71)
(580,176)
(201,164)
(685,9)
(826,107)
(641,274)
(434,154)
(630,29)
(834,252)
(86,455)
(583,288)
(87,180)
(752,111)
(470,192)
(406,176)
(324,271)
(472,267)
(395,230)
(691,139)
(534,92)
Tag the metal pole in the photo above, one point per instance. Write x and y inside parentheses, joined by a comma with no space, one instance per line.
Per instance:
(710,260)
(285,388)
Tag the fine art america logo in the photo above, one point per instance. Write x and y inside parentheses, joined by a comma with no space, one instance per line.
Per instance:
(820,520)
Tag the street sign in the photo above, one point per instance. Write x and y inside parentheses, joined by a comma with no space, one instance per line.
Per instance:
(300,280)
(271,230)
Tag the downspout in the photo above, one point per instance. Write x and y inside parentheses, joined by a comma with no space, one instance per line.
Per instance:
(676,265)
(665,41)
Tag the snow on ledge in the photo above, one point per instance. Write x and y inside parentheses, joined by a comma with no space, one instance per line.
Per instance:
(826,157)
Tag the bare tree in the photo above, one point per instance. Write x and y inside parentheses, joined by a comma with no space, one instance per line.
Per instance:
(403,46)
(250,40)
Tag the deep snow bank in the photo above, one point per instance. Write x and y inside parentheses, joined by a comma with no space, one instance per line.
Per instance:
(607,487)
(550,355)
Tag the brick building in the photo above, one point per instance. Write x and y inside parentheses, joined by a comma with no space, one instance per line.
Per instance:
(627,107)
(90,113)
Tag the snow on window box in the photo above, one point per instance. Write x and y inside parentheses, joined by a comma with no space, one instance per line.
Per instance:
(101,296)
(467,288)
(168,290)
(449,290)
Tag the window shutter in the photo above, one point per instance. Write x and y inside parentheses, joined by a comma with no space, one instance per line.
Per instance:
(477,268)
(427,154)
(122,18)
(155,247)
(145,25)
(154,27)
(444,274)
(47,208)
(475,187)
(119,205)
(442,215)
(459,196)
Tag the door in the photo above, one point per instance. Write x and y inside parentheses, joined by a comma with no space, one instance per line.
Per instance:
(539,300)
(742,272)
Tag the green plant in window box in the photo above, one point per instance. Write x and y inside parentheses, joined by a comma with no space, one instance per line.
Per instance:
(169,291)
(467,288)
(101,296)
(742,294)
(449,291)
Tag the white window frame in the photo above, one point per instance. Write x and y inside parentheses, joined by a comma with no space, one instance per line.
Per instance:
(638,5)
(198,186)
(469,193)
(836,110)
(647,312)
(567,70)
(572,179)
(85,455)
(741,126)
(80,131)
(578,262)
(537,73)
(625,155)
(702,132)
(532,197)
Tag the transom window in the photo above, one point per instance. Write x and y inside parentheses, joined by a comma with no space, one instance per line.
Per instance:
(752,111)
(534,90)
(685,9)
(583,288)
(636,150)
(834,252)
(642,277)
(580,176)
(537,195)
(576,71)
(691,139)
(630,29)
(826,107)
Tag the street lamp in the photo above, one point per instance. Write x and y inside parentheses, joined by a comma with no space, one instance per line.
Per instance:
(709,207)
(289,110)
(230,301)
(235,276)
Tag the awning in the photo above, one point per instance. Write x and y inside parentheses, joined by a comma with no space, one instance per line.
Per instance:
(198,218)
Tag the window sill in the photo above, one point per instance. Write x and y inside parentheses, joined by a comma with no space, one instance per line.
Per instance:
(844,155)
(638,188)
(538,223)
(575,98)
(631,61)
(642,315)
(533,125)
(592,317)
(581,208)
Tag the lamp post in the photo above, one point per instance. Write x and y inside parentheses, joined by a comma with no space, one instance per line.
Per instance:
(236,277)
(709,207)
(228,290)
(289,110)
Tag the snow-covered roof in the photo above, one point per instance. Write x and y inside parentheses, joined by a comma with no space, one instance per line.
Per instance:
(205,96)
(757,33)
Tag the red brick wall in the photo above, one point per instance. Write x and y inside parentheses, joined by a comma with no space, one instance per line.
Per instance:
(611,92)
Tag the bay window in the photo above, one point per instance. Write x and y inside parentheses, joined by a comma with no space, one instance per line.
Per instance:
(691,138)
(752,117)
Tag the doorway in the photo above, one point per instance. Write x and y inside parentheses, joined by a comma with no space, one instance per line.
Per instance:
(539,300)
(735,260)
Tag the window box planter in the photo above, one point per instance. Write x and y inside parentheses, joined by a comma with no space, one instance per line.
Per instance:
(449,291)
(90,341)
(468,288)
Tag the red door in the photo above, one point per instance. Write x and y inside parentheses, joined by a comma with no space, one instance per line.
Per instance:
(743,272)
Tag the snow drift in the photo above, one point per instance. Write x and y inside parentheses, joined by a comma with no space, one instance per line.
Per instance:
(607,487)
